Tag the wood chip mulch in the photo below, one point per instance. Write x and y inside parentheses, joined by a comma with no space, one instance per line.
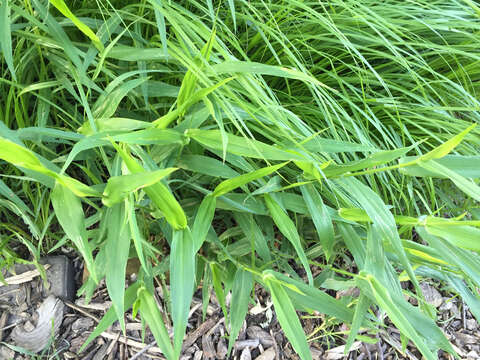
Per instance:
(260,338)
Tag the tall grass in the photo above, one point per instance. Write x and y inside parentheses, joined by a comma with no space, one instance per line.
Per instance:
(254,140)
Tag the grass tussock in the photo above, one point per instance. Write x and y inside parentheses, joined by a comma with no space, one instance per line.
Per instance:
(247,136)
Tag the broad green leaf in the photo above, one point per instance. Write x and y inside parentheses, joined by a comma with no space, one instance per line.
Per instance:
(107,104)
(318,144)
(288,229)
(130,53)
(467,186)
(228,185)
(373,160)
(217,286)
(112,124)
(447,146)
(111,316)
(246,67)
(63,8)
(119,187)
(182,281)
(190,79)
(69,212)
(466,261)
(398,317)
(307,297)
(168,118)
(466,237)
(203,221)
(151,314)
(410,321)
(467,295)
(6,37)
(158,193)
(466,166)
(383,219)
(241,146)
(118,248)
(142,137)
(360,312)
(22,157)
(321,218)
(136,235)
(206,165)
(251,229)
(242,287)
(288,318)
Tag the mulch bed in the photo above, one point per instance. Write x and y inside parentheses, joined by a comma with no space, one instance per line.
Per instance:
(260,338)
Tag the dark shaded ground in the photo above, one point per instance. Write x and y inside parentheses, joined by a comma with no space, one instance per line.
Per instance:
(260,338)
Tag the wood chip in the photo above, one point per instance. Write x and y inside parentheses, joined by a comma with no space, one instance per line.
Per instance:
(94,305)
(246,354)
(258,309)
(256,332)
(268,354)
(3,321)
(336,353)
(101,353)
(221,349)
(112,344)
(432,296)
(251,343)
(198,355)
(208,348)
(51,310)
(23,277)
(129,342)
(199,331)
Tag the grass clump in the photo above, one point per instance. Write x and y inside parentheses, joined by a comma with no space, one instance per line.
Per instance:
(246,138)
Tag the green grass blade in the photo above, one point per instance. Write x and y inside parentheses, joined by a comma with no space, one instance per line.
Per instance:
(217,286)
(398,318)
(288,318)
(242,287)
(203,221)
(158,193)
(182,280)
(111,316)
(69,212)
(136,235)
(467,186)
(63,8)
(466,166)
(321,218)
(119,187)
(287,228)
(250,227)
(207,166)
(6,37)
(151,314)
(118,243)
(241,146)
(360,312)
(231,184)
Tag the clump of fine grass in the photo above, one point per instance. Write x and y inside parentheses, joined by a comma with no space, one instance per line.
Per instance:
(241,137)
